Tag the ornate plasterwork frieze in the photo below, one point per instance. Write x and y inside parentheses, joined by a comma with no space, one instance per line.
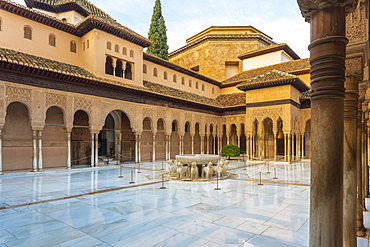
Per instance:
(309,7)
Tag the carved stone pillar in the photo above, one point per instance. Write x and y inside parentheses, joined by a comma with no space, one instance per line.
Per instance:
(327,55)
(168,151)
(138,147)
(289,144)
(181,146)
(154,147)
(69,149)
(34,150)
(97,149)
(360,198)
(275,147)
(202,144)
(92,149)
(285,147)
(349,163)
(192,144)
(40,152)
(227,140)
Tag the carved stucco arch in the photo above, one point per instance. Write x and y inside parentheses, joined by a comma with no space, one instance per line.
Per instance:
(107,110)
(23,103)
(61,108)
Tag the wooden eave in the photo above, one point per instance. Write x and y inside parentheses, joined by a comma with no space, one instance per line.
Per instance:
(295,82)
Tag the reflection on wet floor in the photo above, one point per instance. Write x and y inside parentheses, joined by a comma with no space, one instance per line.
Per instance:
(124,206)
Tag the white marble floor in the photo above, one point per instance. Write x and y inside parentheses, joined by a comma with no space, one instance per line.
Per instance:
(95,207)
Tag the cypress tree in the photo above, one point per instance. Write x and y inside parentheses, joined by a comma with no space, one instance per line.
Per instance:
(157,33)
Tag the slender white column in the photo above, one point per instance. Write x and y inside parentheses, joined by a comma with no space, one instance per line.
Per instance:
(34,151)
(285,147)
(139,148)
(214,144)
(181,146)
(289,148)
(154,147)
(40,151)
(68,149)
(96,149)
(201,144)
(275,147)
(227,140)
(168,147)
(92,150)
(192,144)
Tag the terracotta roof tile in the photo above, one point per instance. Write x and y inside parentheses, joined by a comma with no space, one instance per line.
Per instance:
(231,99)
(177,93)
(268,49)
(295,67)
(272,79)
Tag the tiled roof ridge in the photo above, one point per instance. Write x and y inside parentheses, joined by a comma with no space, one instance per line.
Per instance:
(183,95)
(85,6)
(221,36)
(165,63)
(237,79)
(270,48)
(30,10)
(281,73)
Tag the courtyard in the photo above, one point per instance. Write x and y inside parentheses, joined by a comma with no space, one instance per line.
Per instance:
(259,203)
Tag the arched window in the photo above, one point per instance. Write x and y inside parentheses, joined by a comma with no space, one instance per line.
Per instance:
(73,46)
(165,75)
(119,69)
(116,48)
(174,78)
(190,83)
(131,53)
(144,68)
(182,81)
(124,51)
(202,87)
(27,32)
(109,46)
(52,40)
(155,72)
(1,24)
(64,20)
(108,65)
(87,44)
(196,85)
(128,71)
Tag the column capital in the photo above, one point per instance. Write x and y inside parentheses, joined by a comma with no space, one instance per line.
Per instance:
(309,7)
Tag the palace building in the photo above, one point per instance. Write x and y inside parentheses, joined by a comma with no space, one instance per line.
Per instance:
(77,85)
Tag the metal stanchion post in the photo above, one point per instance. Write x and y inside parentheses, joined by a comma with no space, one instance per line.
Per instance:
(139,168)
(120,172)
(217,188)
(132,177)
(275,173)
(162,182)
(162,166)
(260,179)
(245,165)
(268,168)
(116,159)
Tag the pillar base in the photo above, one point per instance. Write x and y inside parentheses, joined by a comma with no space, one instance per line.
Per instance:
(361,233)
(68,168)
(34,170)
(40,170)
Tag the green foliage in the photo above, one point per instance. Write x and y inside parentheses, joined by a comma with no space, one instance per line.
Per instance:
(158,33)
(230,151)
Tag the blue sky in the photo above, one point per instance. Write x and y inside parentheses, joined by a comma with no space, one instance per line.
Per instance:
(280,19)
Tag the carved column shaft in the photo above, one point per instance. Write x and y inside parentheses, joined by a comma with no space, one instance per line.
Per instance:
(69,149)
(40,151)
(360,198)
(92,149)
(349,163)
(34,151)
(327,55)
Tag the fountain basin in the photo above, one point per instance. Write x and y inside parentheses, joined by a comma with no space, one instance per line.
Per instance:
(198,158)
